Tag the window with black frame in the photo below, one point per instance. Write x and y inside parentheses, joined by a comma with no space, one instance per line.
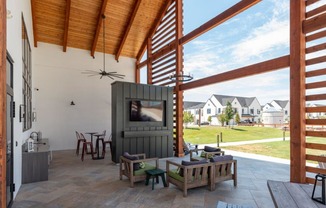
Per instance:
(26,107)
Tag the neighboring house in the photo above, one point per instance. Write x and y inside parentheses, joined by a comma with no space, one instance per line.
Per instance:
(284,106)
(195,108)
(248,108)
(272,117)
(316,115)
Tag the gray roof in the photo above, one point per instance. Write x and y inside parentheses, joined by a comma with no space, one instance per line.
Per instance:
(199,106)
(191,104)
(244,101)
(282,103)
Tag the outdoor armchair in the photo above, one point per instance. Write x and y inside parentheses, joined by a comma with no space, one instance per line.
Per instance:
(189,175)
(206,153)
(224,168)
(134,167)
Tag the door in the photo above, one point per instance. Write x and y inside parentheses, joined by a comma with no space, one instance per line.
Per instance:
(9,125)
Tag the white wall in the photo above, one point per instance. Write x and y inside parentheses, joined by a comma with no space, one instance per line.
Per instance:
(14,47)
(59,80)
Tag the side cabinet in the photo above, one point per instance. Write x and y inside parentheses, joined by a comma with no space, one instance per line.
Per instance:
(35,164)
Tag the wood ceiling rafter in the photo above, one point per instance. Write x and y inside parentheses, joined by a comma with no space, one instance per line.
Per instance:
(66,30)
(34,22)
(126,33)
(153,28)
(98,28)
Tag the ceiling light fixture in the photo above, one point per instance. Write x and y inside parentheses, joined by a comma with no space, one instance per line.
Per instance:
(180,77)
(111,75)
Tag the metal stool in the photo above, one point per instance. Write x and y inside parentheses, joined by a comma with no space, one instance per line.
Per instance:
(322,198)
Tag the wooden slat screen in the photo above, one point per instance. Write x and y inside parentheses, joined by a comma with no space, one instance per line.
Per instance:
(315,87)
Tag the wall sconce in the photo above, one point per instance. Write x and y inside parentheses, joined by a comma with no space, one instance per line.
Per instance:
(21,113)
(322,196)
(72,103)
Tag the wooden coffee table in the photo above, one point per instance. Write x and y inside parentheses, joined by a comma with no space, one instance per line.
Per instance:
(155,173)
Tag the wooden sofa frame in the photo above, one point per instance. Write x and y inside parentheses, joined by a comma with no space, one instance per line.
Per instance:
(222,171)
(194,176)
(127,168)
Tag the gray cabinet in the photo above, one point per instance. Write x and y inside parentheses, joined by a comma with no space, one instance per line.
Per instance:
(35,164)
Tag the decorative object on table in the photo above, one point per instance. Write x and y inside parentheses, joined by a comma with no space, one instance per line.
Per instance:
(30,144)
(131,168)
(322,197)
(181,77)
(111,75)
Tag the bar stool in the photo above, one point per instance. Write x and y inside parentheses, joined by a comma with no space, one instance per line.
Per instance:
(108,142)
(322,198)
(85,144)
(79,140)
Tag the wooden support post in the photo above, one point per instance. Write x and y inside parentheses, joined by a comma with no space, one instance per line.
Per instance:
(137,72)
(179,66)
(3,55)
(297,91)
(149,61)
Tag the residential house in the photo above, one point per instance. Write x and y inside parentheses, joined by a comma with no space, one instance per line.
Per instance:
(195,108)
(248,108)
(278,106)
(316,115)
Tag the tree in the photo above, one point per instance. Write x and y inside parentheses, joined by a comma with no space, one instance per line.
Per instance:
(229,113)
(221,119)
(237,118)
(209,119)
(187,118)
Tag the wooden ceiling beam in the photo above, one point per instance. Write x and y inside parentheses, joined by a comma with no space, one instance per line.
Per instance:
(99,25)
(259,68)
(66,30)
(126,32)
(34,22)
(153,29)
(219,19)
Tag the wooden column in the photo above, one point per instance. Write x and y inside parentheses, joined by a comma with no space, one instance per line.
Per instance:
(297,91)
(149,61)
(179,68)
(3,31)
(137,72)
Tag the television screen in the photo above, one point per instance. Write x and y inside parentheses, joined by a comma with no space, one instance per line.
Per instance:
(141,110)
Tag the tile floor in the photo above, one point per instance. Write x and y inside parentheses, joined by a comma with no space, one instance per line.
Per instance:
(95,183)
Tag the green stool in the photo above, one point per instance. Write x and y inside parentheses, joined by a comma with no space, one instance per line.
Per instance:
(155,174)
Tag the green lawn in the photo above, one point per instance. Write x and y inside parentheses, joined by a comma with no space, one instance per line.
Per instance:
(276,149)
(207,134)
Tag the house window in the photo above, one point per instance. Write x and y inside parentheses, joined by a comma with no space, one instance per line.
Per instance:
(242,111)
(235,110)
(251,111)
(208,111)
(219,110)
(26,117)
(197,112)
(286,112)
(258,111)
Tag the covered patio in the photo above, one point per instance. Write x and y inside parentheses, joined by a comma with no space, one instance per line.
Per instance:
(45,47)
(75,184)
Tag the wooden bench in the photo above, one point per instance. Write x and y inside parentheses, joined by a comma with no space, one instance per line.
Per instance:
(286,194)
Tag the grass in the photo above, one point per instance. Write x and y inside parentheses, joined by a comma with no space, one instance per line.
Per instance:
(207,134)
(279,149)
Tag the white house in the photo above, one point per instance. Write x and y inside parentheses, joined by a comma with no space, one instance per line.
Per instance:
(272,117)
(279,105)
(316,115)
(248,108)
(196,109)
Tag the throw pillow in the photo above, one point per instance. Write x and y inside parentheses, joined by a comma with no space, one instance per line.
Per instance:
(188,163)
(203,154)
(221,158)
(132,157)
(211,149)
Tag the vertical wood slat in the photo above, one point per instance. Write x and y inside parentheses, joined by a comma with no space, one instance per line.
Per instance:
(34,22)
(66,29)
(297,92)
(3,40)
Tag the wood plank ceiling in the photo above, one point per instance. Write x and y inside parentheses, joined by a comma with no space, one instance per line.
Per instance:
(78,24)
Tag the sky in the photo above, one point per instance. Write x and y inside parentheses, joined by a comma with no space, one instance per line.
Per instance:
(258,34)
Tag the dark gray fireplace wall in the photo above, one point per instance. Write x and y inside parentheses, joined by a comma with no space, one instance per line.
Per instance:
(155,139)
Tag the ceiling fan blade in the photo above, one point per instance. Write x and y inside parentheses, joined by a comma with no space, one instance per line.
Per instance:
(101,76)
(92,75)
(110,77)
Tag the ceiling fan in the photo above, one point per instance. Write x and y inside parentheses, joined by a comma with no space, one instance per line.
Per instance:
(104,73)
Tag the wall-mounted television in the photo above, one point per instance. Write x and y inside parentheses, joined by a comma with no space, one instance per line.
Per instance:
(145,110)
